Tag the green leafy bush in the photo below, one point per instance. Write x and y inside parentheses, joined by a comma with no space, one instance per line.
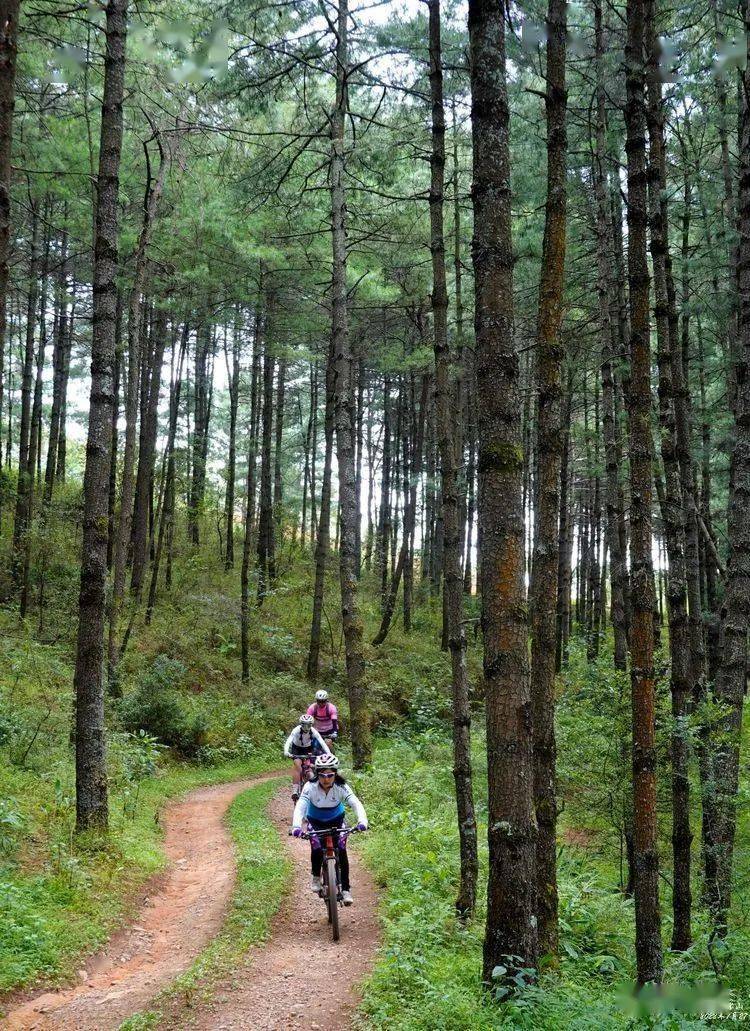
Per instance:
(26,938)
(12,826)
(132,759)
(157,709)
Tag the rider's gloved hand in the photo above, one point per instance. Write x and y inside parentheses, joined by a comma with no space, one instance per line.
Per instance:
(361,826)
(297,832)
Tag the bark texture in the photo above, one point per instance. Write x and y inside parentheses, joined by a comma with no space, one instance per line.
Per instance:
(344,411)
(9,10)
(673,513)
(449,490)
(549,441)
(91,769)
(735,610)
(646,873)
(511,892)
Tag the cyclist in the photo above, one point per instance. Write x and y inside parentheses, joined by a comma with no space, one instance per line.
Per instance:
(303,741)
(322,804)
(326,717)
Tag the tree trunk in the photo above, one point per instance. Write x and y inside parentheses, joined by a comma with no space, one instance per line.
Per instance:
(467,828)
(91,768)
(344,401)
(147,454)
(410,508)
(550,353)
(735,611)
(62,440)
(136,335)
(35,446)
(266,543)
(8,53)
(565,552)
(278,483)
(322,546)
(511,890)
(359,443)
(112,501)
(35,437)
(250,502)
(673,509)
(234,397)
(314,450)
(612,451)
(58,366)
(167,508)
(204,345)
(122,534)
(382,540)
(647,915)
(25,474)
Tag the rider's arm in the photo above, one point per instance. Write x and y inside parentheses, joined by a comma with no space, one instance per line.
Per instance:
(334,719)
(323,746)
(351,799)
(300,809)
(288,746)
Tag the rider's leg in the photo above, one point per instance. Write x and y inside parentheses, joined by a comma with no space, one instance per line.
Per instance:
(297,773)
(343,857)
(316,860)
(344,869)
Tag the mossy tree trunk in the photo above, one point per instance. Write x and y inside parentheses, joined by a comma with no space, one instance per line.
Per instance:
(511,929)
(549,441)
(91,768)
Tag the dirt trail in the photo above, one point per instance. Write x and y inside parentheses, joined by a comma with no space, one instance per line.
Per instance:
(299,978)
(173,925)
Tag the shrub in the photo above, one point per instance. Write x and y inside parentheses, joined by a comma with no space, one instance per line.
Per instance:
(156,709)
(12,826)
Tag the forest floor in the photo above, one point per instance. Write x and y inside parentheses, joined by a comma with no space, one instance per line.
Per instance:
(183,909)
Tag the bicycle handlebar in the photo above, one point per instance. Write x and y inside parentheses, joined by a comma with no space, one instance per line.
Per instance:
(323,832)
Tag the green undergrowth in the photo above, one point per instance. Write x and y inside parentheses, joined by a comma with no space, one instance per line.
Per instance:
(427,974)
(263,876)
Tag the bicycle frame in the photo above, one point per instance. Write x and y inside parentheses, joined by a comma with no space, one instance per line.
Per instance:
(330,839)
(331,848)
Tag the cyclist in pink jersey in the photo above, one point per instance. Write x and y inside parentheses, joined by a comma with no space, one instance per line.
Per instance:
(326,717)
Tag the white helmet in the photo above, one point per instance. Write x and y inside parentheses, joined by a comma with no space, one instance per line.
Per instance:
(306,721)
(326,762)
(321,696)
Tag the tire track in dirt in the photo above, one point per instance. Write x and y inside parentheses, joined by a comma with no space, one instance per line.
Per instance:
(299,977)
(183,912)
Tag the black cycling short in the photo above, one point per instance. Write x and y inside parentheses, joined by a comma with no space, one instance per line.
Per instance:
(301,753)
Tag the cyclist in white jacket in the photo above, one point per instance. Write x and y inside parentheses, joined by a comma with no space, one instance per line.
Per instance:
(322,804)
(303,741)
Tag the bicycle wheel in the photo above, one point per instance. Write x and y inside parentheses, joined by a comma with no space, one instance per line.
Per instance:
(326,891)
(332,898)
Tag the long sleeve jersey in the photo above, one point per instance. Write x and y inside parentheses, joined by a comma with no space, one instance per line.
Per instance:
(306,741)
(326,805)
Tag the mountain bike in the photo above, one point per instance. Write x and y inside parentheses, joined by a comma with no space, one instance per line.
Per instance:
(306,773)
(332,838)
(308,769)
